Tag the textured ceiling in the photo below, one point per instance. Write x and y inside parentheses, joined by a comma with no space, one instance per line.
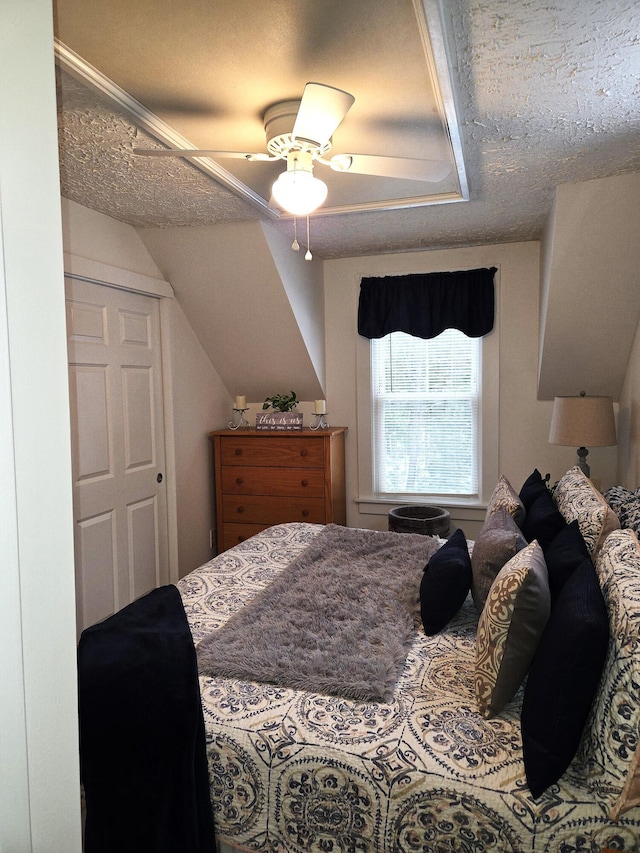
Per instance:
(546,93)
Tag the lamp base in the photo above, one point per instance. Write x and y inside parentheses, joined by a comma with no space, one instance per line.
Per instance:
(582,461)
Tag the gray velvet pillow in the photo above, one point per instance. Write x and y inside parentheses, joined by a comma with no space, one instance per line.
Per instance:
(499,539)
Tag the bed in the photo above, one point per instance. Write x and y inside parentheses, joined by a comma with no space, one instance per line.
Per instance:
(295,770)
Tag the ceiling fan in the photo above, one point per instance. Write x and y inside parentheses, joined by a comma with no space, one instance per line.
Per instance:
(300,132)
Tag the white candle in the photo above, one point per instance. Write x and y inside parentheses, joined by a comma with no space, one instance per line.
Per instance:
(241,402)
(320,407)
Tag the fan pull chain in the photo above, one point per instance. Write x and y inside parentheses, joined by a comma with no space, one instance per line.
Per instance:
(308,255)
(295,245)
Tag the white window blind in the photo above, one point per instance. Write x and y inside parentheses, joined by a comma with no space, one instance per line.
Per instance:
(426,414)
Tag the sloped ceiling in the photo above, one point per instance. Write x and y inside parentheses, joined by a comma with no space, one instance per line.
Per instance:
(544,95)
(249,314)
(590,287)
(231,61)
(536,96)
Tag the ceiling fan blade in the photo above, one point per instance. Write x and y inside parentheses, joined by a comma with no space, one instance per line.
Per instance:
(322,108)
(390,167)
(196,152)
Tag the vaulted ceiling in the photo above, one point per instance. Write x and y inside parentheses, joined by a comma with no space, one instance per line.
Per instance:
(519,97)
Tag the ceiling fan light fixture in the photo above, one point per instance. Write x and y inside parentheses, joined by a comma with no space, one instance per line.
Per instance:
(297,190)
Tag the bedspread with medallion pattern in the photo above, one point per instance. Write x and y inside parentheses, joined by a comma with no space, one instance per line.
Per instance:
(296,771)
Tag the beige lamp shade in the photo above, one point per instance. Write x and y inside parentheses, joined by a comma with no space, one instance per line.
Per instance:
(583,421)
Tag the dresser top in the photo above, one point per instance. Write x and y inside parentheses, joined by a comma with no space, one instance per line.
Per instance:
(306,432)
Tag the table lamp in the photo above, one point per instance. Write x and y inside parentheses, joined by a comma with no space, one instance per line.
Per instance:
(583,421)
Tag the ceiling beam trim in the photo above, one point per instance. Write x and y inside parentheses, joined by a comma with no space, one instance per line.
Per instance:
(76,65)
(429,19)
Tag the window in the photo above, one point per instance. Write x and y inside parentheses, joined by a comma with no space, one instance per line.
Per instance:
(426,414)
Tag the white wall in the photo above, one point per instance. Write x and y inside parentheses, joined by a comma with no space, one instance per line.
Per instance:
(39,773)
(114,252)
(522,421)
(629,422)
(93,236)
(201,404)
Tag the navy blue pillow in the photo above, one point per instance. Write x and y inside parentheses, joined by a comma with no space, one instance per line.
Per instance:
(543,520)
(445,583)
(532,488)
(565,553)
(563,679)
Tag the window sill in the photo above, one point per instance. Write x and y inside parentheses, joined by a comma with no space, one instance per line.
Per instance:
(471,510)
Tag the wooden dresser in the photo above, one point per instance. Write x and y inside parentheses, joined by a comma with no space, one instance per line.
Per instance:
(269,477)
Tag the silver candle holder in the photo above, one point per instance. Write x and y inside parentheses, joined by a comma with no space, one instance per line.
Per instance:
(320,422)
(239,421)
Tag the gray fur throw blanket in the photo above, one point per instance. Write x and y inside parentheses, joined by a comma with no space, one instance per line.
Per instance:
(338,620)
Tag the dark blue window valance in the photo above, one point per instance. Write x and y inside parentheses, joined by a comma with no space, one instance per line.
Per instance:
(424,305)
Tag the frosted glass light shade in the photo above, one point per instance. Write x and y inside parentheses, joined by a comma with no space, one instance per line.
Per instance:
(299,192)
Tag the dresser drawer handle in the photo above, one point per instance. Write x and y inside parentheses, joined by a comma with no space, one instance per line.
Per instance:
(239,481)
(305,513)
(240,509)
(238,451)
(303,452)
(304,483)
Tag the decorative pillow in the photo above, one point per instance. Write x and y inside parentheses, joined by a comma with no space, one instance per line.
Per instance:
(499,539)
(532,488)
(563,679)
(610,741)
(626,505)
(617,496)
(445,583)
(627,509)
(630,514)
(510,627)
(564,554)
(505,497)
(576,497)
(543,520)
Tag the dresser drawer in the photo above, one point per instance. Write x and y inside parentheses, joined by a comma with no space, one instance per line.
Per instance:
(245,480)
(264,478)
(258,509)
(297,452)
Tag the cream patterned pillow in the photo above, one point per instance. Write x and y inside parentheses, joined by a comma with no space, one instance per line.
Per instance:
(511,624)
(626,505)
(577,498)
(610,752)
(504,496)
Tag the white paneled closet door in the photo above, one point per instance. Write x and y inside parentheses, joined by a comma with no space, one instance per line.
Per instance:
(118,449)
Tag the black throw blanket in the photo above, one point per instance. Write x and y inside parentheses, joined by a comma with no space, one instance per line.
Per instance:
(142,741)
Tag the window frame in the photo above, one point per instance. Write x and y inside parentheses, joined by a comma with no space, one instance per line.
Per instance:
(427,396)
(488,436)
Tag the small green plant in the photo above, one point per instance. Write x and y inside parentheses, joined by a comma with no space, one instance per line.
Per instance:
(281,402)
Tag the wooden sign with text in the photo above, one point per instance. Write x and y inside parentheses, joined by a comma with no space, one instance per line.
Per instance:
(279,420)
